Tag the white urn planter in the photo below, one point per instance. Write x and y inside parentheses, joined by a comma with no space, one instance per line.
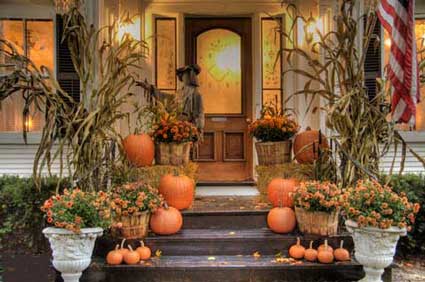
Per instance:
(72,252)
(374,248)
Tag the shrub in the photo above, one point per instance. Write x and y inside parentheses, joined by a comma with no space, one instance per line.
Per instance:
(414,187)
(21,219)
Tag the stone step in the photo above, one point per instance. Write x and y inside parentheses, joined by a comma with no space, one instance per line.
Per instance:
(225,242)
(223,268)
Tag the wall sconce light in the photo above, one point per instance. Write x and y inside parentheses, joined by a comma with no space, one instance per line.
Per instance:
(308,29)
(27,123)
(129,26)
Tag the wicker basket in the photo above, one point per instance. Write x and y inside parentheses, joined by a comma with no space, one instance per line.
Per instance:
(271,153)
(133,227)
(172,153)
(320,223)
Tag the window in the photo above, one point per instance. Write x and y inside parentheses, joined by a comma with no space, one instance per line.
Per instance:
(420,108)
(165,54)
(271,62)
(35,39)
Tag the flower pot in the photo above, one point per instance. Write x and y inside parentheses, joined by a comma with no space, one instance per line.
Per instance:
(374,248)
(71,252)
(320,223)
(172,153)
(132,226)
(271,153)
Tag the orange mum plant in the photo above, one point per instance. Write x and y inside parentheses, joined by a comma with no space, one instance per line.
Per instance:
(375,205)
(75,209)
(273,126)
(317,196)
(134,198)
(178,131)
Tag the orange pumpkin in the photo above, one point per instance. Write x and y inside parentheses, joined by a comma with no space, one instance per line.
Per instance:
(280,190)
(325,245)
(114,257)
(342,254)
(281,220)
(310,254)
(307,144)
(166,221)
(131,257)
(139,149)
(325,254)
(178,190)
(123,250)
(144,251)
(297,251)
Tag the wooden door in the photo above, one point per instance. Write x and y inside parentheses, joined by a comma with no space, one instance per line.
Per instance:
(222,48)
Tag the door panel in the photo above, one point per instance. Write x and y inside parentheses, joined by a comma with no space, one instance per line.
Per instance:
(222,48)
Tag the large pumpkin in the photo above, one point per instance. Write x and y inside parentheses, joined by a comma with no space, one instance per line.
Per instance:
(281,220)
(306,145)
(139,149)
(166,221)
(178,190)
(280,190)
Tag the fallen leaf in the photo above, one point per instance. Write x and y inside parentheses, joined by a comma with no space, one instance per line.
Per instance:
(211,258)
(232,233)
(256,255)
(278,255)
(241,208)
(158,253)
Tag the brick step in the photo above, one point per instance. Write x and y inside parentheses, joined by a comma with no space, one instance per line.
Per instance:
(223,268)
(190,242)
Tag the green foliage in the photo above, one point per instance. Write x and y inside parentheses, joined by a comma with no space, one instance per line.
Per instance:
(414,187)
(21,219)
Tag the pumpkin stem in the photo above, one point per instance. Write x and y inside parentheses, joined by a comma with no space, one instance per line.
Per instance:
(117,246)
(326,245)
(175,172)
(311,244)
(122,243)
(298,241)
(308,128)
(131,249)
(166,205)
(341,244)
(142,244)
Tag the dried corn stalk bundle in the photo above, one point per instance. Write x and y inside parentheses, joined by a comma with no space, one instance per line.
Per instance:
(362,131)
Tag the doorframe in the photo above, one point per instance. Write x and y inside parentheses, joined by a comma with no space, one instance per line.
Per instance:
(249,97)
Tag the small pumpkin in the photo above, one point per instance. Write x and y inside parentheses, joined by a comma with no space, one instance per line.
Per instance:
(123,250)
(310,254)
(144,251)
(325,255)
(114,257)
(281,220)
(178,190)
(166,220)
(297,251)
(307,144)
(323,246)
(342,254)
(280,191)
(139,149)
(131,257)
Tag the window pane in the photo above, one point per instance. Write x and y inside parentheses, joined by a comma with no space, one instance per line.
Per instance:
(166,54)
(270,51)
(13,31)
(272,98)
(218,53)
(40,43)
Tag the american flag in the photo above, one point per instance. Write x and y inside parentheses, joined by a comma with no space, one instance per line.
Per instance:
(397,17)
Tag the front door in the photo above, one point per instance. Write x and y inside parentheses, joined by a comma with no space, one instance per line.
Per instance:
(222,48)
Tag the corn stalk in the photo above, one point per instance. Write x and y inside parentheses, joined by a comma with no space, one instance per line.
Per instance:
(362,132)
(80,136)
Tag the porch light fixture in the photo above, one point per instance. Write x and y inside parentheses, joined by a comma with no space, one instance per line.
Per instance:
(129,26)
(27,123)
(309,29)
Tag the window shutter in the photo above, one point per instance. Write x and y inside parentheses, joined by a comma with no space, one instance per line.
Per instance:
(65,72)
(372,64)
